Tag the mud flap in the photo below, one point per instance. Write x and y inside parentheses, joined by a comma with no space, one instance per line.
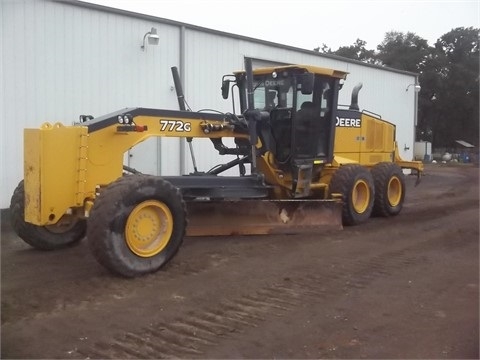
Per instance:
(260,217)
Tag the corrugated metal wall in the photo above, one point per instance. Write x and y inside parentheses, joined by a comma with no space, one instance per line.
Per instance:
(59,60)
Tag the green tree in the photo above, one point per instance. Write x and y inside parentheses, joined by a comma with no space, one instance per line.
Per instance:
(448,102)
(357,51)
(403,51)
(323,49)
(457,89)
(430,79)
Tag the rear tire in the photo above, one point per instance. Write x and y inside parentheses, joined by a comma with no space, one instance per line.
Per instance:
(136,225)
(66,232)
(389,189)
(355,183)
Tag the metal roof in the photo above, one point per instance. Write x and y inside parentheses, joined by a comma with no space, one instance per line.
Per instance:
(223,33)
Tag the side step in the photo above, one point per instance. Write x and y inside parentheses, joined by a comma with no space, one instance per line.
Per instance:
(261,217)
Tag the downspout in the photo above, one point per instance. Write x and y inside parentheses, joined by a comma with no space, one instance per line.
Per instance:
(415,109)
(415,117)
(183,165)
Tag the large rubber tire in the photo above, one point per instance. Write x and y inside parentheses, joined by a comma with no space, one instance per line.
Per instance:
(389,183)
(136,225)
(355,183)
(66,232)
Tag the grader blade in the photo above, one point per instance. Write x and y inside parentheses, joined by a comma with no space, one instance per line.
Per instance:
(261,217)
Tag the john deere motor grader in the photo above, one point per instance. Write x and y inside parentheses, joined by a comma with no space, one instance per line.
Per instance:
(311,165)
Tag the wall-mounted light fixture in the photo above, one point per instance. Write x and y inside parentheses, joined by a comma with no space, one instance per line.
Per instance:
(416,87)
(152,36)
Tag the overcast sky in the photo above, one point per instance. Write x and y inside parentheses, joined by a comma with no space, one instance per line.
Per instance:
(311,23)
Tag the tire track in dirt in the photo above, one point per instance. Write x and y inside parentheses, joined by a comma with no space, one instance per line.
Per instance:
(192,335)
(93,289)
(97,290)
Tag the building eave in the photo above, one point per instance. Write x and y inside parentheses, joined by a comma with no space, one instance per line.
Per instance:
(226,34)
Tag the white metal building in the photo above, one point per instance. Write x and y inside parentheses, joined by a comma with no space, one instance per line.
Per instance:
(60,59)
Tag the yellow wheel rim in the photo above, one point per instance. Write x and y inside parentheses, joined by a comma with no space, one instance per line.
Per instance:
(394,191)
(360,196)
(149,228)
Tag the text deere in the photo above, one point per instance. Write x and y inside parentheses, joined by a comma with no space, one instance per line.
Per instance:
(348,122)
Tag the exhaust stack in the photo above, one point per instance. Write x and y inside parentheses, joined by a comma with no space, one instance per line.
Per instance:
(178,88)
(355,91)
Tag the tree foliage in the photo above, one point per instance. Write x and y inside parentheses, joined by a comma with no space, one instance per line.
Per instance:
(449,99)
(403,51)
(448,103)
(356,51)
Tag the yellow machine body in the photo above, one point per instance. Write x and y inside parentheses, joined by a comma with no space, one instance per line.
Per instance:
(65,165)
(314,166)
(370,142)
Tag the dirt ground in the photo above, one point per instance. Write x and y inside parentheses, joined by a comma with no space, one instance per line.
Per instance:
(405,287)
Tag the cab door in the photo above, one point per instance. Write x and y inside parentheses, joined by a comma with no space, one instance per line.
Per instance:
(314,121)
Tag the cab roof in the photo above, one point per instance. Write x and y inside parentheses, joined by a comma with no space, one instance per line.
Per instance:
(309,68)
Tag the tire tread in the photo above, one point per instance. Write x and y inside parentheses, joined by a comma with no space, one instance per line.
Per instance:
(103,225)
(38,236)
(342,182)
(382,173)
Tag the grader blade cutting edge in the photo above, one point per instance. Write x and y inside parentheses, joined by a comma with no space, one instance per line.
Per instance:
(261,217)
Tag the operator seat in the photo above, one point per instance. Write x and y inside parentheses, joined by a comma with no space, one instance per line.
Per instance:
(307,121)
(281,131)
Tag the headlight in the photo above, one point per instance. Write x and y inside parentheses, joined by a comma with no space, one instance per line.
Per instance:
(126,119)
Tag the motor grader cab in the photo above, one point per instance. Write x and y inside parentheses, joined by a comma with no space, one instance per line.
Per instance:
(305,174)
(295,108)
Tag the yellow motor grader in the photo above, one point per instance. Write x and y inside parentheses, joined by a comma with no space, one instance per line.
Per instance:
(304,165)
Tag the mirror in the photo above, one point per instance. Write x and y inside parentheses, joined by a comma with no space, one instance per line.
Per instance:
(225,88)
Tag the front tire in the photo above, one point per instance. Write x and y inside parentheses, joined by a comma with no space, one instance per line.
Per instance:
(66,232)
(355,183)
(136,225)
(389,189)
